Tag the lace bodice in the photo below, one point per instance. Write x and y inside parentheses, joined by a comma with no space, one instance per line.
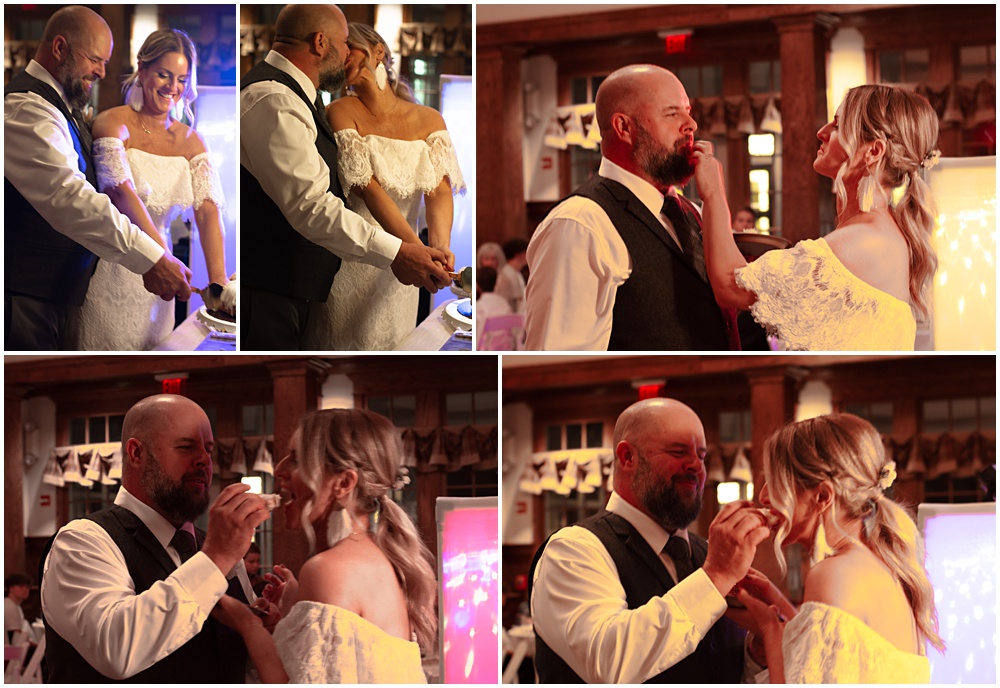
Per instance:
(824,644)
(405,169)
(166,184)
(812,302)
(321,643)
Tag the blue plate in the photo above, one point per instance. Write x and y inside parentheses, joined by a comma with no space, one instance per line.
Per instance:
(465,307)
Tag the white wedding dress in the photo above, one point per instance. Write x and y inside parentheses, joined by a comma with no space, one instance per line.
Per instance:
(812,302)
(118,313)
(824,644)
(321,643)
(368,309)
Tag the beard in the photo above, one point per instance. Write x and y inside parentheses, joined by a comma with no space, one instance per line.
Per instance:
(668,167)
(77,93)
(331,74)
(172,498)
(662,500)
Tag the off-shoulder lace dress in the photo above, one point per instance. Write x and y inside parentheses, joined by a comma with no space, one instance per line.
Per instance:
(119,314)
(812,302)
(824,644)
(368,309)
(321,643)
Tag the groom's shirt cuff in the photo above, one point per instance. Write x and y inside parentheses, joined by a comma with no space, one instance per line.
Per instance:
(42,164)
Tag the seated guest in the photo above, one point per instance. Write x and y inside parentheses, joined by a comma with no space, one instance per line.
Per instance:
(489,304)
(512,276)
(252,561)
(17,587)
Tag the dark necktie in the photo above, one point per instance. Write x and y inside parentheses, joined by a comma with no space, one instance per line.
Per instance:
(688,234)
(680,552)
(184,543)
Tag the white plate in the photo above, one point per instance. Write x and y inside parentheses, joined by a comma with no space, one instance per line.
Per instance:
(455,318)
(215,323)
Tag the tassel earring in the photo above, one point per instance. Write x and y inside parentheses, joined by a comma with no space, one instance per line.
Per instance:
(381,76)
(821,548)
(135,97)
(866,193)
(373,518)
(338,526)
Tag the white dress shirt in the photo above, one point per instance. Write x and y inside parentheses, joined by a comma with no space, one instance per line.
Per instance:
(89,599)
(40,161)
(579,609)
(578,260)
(277,146)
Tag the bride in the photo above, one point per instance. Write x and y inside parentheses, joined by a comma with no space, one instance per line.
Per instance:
(868,607)
(363,608)
(152,167)
(393,154)
(859,287)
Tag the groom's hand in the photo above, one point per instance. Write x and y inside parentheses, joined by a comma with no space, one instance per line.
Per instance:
(732,542)
(168,278)
(415,265)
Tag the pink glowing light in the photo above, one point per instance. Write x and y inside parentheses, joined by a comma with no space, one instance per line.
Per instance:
(470,594)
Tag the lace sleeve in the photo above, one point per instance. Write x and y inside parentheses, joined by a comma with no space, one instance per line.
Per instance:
(111,164)
(445,161)
(793,295)
(354,160)
(205,182)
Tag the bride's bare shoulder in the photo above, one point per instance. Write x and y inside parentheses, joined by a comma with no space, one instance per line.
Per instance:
(190,141)
(343,113)
(111,123)
(430,120)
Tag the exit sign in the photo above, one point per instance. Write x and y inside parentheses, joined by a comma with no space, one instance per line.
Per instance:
(677,43)
(174,385)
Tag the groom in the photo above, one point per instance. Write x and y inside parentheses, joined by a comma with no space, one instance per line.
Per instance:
(296,227)
(630,595)
(56,224)
(619,265)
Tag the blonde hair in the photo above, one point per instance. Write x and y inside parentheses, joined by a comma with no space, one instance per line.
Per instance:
(158,44)
(847,451)
(364,38)
(336,440)
(491,249)
(908,125)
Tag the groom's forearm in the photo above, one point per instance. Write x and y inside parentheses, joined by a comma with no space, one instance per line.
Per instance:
(41,163)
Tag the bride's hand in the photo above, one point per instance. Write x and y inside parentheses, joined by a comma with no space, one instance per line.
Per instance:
(282,588)
(449,265)
(708,172)
(270,615)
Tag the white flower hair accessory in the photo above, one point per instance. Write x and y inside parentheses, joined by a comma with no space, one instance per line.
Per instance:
(887,476)
(931,159)
(402,479)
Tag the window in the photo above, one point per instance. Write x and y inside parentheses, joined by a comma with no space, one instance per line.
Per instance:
(903,66)
(701,82)
(582,435)
(977,62)
(96,429)
(878,414)
(469,482)
(478,408)
(765,77)
(401,410)
(563,511)
(959,415)
(765,176)
(734,426)
(258,420)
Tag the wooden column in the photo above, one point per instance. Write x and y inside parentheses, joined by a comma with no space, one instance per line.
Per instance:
(297,386)
(13,483)
(119,19)
(803,111)
(500,206)
(431,485)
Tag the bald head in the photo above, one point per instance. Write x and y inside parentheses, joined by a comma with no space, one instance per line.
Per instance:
(151,417)
(73,23)
(646,416)
(624,90)
(298,22)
